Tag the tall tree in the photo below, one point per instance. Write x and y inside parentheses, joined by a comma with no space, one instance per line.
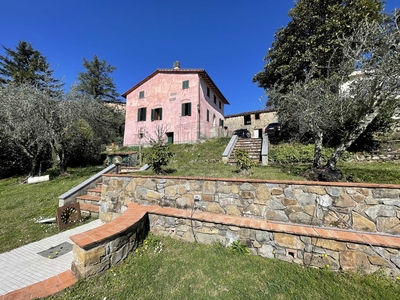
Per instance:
(25,65)
(96,81)
(310,40)
(365,88)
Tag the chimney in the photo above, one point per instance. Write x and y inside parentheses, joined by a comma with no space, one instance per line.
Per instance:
(177,65)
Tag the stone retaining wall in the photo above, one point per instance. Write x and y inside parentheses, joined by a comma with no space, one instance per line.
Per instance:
(101,248)
(364,207)
(301,249)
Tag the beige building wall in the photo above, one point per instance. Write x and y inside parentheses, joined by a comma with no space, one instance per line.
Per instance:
(254,121)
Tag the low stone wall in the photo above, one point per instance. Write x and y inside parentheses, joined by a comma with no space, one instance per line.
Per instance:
(101,248)
(364,207)
(98,249)
(303,249)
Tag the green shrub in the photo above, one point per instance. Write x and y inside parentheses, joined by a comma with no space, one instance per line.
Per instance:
(298,153)
(158,155)
(243,161)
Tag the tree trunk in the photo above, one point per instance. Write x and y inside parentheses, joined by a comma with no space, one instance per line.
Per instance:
(348,139)
(318,149)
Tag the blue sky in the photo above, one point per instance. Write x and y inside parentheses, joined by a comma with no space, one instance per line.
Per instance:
(227,38)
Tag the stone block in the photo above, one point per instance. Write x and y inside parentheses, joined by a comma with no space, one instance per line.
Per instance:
(262,194)
(246,194)
(377,261)
(386,193)
(344,201)
(354,260)
(153,195)
(321,261)
(247,187)
(300,218)
(266,251)
(150,184)
(329,244)
(388,225)
(380,211)
(170,191)
(358,197)
(362,223)
(319,190)
(209,187)
(325,200)
(289,201)
(254,210)
(288,241)
(232,210)
(277,191)
(288,193)
(208,198)
(215,208)
(276,215)
(307,199)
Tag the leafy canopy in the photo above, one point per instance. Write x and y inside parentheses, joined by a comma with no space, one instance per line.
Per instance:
(310,40)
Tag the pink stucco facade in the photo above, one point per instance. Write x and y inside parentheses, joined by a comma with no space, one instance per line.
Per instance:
(186,104)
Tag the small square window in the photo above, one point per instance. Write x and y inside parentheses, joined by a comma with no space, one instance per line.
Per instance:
(185,84)
(141,94)
(215,99)
(257,116)
(221,122)
(208,92)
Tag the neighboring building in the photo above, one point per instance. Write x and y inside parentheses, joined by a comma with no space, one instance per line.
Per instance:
(185,104)
(116,105)
(254,121)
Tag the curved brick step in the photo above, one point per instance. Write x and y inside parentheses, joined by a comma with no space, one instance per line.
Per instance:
(91,209)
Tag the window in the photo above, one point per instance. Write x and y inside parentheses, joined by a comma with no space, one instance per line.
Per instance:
(156,114)
(141,94)
(215,99)
(208,92)
(247,120)
(219,104)
(141,115)
(221,122)
(186,109)
(257,116)
(185,84)
(208,115)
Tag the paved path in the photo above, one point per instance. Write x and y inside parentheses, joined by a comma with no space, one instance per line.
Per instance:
(23,267)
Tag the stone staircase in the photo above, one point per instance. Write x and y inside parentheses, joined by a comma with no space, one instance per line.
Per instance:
(90,203)
(252,145)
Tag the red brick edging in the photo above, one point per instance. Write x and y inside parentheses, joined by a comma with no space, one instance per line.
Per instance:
(43,288)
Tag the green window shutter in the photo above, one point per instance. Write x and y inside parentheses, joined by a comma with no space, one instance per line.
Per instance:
(141,94)
(185,84)
(144,114)
(138,114)
(183,109)
(189,109)
(152,115)
(208,115)
(160,114)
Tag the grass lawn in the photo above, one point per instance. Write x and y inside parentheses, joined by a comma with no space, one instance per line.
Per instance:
(194,271)
(22,204)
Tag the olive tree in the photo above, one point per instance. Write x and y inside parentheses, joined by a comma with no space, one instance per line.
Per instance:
(364,87)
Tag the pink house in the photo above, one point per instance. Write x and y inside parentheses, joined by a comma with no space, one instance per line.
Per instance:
(185,104)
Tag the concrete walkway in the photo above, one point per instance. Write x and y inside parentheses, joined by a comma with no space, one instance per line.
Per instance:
(24,267)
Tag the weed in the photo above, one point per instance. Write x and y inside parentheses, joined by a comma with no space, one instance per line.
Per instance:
(238,248)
